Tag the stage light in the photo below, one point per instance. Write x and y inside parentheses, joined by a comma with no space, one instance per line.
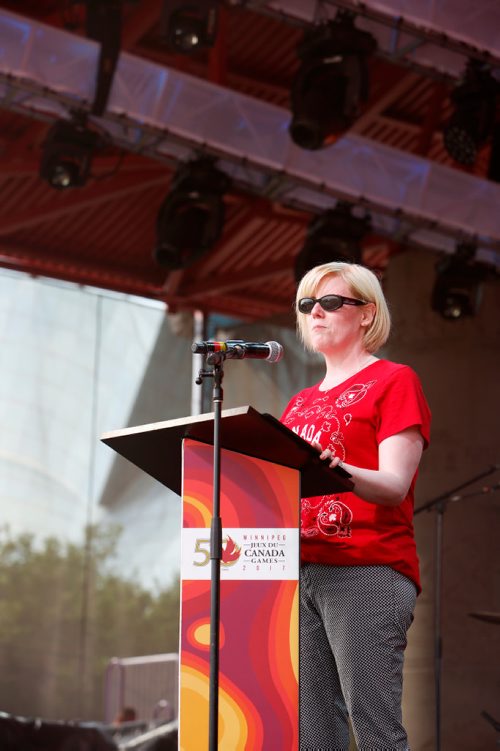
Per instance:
(67,155)
(472,122)
(331,82)
(191,218)
(457,287)
(189,26)
(335,235)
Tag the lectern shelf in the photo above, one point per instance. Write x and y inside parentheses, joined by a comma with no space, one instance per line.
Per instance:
(156,448)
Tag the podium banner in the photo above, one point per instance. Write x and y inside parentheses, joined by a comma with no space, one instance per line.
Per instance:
(258,554)
(258,679)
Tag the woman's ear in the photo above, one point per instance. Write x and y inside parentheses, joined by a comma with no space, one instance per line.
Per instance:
(368,314)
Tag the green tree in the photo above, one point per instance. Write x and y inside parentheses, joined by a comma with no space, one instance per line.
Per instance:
(63,614)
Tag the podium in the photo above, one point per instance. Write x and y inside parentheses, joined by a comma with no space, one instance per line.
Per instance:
(265,470)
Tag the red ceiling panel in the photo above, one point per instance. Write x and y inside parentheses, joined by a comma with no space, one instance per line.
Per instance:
(104,233)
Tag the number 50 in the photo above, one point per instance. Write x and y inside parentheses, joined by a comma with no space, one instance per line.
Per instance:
(203,551)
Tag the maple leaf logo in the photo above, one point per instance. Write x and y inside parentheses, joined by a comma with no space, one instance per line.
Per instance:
(230,551)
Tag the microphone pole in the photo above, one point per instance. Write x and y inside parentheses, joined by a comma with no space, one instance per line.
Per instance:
(216,360)
(216,353)
(440,504)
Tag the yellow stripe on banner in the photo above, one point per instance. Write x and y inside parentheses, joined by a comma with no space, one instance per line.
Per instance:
(294,635)
(233,730)
(200,507)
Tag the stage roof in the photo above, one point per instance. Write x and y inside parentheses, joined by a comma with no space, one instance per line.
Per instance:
(233,102)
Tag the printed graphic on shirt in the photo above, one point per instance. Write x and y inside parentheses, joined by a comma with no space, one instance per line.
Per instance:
(330,517)
(326,424)
(317,421)
(353,394)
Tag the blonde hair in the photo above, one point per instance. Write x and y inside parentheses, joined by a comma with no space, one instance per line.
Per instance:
(362,284)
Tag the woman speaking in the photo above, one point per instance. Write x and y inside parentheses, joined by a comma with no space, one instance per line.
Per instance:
(359,565)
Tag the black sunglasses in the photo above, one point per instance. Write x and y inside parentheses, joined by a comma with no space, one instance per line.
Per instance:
(327,302)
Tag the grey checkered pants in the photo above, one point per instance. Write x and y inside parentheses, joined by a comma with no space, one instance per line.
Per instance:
(353,624)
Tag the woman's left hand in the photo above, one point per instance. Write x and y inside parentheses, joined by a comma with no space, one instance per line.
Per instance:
(328,456)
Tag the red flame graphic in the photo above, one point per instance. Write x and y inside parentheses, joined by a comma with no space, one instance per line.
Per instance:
(230,551)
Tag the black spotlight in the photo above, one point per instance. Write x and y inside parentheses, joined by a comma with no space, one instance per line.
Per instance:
(191,218)
(335,235)
(473,120)
(457,288)
(331,81)
(67,155)
(189,26)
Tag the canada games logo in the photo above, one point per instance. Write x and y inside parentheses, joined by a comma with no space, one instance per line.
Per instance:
(231,551)
(246,553)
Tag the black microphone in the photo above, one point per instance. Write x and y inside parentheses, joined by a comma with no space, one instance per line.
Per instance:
(237,349)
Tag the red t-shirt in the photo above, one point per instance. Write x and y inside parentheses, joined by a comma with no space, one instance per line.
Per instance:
(352,419)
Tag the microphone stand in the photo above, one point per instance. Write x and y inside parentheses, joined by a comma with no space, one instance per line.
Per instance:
(440,505)
(216,360)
